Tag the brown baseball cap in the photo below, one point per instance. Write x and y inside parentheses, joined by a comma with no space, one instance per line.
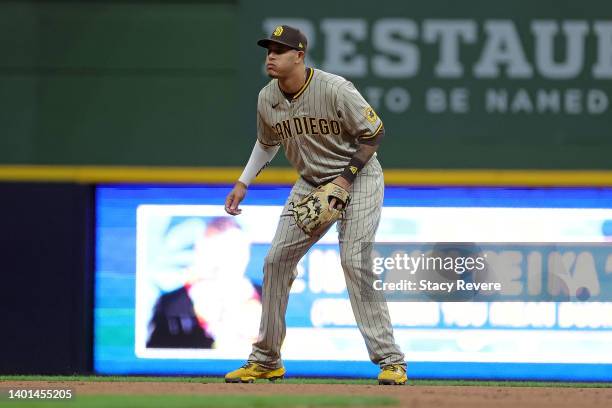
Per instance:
(286,35)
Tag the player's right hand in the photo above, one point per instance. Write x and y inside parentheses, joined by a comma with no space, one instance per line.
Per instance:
(234,198)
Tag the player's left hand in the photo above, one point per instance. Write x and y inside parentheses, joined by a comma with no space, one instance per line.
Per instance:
(345,184)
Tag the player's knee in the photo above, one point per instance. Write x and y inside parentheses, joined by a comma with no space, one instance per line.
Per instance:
(348,261)
(268,263)
(272,264)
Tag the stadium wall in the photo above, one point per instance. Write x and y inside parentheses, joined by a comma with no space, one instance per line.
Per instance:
(159,83)
(165,92)
(46,292)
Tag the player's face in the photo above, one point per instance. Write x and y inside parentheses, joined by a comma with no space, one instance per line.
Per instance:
(282,60)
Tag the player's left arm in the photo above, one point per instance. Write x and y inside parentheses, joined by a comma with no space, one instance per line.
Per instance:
(362,121)
(364,153)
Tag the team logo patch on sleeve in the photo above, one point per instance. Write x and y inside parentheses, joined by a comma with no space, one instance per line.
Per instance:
(370,115)
(278,31)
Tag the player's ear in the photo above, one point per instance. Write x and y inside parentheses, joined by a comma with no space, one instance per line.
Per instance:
(301,55)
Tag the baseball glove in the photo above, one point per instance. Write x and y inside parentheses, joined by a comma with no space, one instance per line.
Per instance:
(313,214)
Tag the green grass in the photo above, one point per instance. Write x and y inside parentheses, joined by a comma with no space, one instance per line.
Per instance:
(212,380)
(222,401)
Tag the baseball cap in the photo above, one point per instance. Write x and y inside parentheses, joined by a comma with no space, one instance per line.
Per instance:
(286,35)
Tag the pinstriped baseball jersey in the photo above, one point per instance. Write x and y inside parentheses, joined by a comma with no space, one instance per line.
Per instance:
(319,127)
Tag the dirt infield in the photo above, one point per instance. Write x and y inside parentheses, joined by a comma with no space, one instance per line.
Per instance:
(409,396)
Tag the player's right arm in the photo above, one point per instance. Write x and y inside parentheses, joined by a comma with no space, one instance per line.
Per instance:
(261,156)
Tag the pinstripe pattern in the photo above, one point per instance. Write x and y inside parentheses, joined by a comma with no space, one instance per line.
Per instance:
(319,158)
(329,98)
(290,244)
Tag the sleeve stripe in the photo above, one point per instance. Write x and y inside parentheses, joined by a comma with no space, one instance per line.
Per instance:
(266,144)
(375,133)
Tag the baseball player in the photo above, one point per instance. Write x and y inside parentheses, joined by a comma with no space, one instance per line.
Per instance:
(330,136)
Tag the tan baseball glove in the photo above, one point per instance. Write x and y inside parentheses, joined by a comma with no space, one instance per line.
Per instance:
(313,214)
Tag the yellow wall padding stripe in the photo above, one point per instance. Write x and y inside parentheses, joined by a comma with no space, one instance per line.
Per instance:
(491,177)
(224,175)
(139,174)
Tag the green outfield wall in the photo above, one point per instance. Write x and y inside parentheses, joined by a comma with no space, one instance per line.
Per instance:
(118,82)
(472,84)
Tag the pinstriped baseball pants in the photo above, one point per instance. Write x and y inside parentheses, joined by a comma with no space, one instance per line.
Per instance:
(290,244)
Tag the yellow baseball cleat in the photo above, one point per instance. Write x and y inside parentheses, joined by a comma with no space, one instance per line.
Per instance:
(393,374)
(250,372)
